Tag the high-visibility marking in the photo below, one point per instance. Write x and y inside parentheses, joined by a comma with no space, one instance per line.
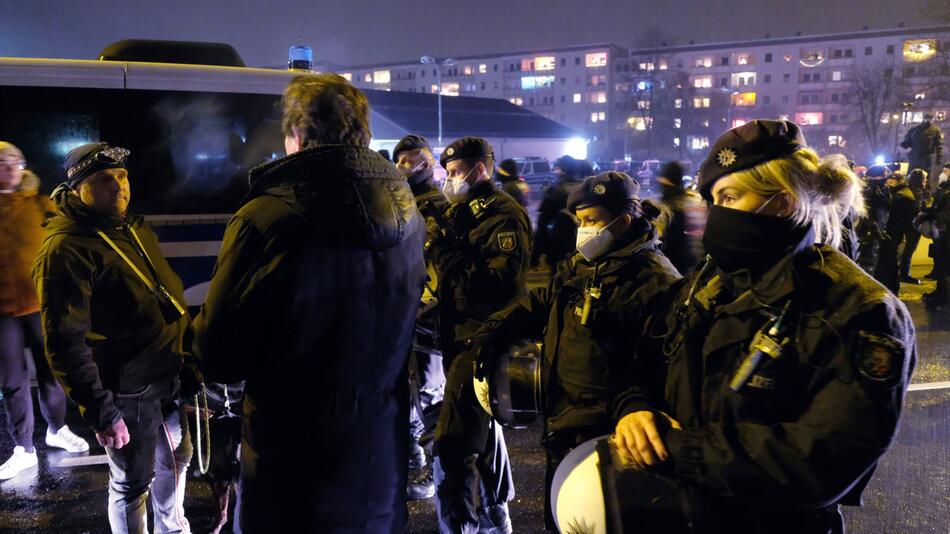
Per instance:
(80,461)
(928,386)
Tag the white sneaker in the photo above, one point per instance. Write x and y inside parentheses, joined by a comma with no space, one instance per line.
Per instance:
(65,439)
(20,461)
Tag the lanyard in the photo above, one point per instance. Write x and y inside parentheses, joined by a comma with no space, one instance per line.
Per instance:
(160,289)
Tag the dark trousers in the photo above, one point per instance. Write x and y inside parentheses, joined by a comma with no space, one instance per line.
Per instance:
(886,270)
(467,441)
(16,333)
(911,240)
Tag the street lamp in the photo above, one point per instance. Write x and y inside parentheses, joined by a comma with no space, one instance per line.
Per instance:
(439,63)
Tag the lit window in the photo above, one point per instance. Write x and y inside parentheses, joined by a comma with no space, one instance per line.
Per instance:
(536,82)
(677,123)
(919,49)
(940,115)
(348,76)
(601,97)
(381,77)
(743,78)
(593,117)
(703,62)
(836,140)
(664,65)
(912,117)
(483,68)
(742,59)
(738,122)
(920,96)
(602,116)
(596,59)
(643,85)
(788,57)
(467,69)
(577,98)
(808,119)
(527,65)
(706,123)
(597,97)
(544,63)
(698,143)
(701,102)
(450,88)
(783,117)
(647,66)
(516,101)
(678,103)
(702,82)
(643,104)
(836,76)
(435,88)
(743,99)
(639,124)
(676,142)
(368,78)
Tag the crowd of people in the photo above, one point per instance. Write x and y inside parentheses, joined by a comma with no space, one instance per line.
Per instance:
(733,353)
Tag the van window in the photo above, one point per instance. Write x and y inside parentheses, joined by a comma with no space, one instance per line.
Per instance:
(541,167)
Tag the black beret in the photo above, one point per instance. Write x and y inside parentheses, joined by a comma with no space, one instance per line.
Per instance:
(877,171)
(746,146)
(611,190)
(91,158)
(672,171)
(466,148)
(410,142)
(508,170)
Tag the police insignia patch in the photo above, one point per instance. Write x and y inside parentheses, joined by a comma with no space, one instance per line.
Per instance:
(450,151)
(600,189)
(726,157)
(506,241)
(879,359)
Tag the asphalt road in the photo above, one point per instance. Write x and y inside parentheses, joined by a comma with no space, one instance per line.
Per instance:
(910,492)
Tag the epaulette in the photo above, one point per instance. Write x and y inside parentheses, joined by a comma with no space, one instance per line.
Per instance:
(480,205)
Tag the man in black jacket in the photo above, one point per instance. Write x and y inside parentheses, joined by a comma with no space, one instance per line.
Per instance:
(900,222)
(114,324)
(414,159)
(481,263)
(313,303)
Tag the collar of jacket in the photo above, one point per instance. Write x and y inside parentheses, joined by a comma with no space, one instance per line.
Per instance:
(482,188)
(634,242)
(71,207)
(772,286)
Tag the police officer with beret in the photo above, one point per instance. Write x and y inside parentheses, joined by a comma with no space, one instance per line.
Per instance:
(590,314)
(785,365)
(480,259)
(413,157)
(511,181)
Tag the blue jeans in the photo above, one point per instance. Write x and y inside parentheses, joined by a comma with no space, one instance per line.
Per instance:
(159,447)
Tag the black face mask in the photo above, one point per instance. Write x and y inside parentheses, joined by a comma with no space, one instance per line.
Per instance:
(739,239)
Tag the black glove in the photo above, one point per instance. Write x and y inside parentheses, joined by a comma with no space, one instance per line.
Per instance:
(485,351)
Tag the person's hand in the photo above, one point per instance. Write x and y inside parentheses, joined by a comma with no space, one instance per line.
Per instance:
(190,379)
(638,439)
(115,436)
(483,350)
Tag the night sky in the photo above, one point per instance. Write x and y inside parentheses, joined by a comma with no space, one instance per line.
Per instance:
(375,31)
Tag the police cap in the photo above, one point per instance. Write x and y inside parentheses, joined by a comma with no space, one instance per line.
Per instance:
(410,142)
(614,191)
(745,147)
(466,148)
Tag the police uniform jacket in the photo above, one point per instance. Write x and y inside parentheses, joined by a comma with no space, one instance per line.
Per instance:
(579,353)
(806,431)
(481,266)
(312,303)
(105,330)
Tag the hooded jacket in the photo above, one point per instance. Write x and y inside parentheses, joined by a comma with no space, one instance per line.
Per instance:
(313,302)
(105,330)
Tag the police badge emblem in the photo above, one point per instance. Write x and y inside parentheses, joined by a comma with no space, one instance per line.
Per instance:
(726,157)
(879,358)
(450,151)
(600,189)
(506,241)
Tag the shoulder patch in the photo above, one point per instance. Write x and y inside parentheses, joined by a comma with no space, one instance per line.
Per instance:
(507,241)
(878,358)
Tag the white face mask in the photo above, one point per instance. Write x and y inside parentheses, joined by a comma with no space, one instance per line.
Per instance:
(593,242)
(456,189)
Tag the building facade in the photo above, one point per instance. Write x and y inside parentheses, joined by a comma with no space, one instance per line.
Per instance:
(855,93)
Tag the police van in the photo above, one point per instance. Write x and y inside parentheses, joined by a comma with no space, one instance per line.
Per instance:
(194,131)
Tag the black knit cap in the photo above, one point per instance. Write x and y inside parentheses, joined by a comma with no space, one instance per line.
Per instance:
(466,148)
(745,147)
(507,170)
(410,142)
(672,171)
(86,160)
(611,190)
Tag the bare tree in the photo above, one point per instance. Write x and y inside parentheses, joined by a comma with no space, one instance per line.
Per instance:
(651,81)
(875,95)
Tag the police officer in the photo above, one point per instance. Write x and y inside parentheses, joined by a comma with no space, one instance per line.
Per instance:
(939,214)
(787,364)
(414,159)
(900,223)
(589,314)
(511,181)
(480,261)
(925,145)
